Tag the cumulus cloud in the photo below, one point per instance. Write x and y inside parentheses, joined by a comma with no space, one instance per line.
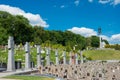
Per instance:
(115,38)
(83,31)
(87,32)
(90,1)
(35,19)
(104,1)
(77,2)
(116,2)
(112,2)
(105,37)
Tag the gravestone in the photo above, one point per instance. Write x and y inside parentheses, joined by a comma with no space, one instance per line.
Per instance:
(38,56)
(56,56)
(81,56)
(70,62)
(64,57)
(27,56)
(47,56)
(11,62)
(76,59)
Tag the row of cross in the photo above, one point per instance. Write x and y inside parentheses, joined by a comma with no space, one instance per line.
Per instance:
(11,62)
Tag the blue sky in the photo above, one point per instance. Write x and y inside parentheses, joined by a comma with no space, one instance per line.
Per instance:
(79,16)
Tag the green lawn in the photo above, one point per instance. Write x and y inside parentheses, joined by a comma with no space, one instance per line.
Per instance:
(20,55)
(90,54)
(28,77)
(102,54)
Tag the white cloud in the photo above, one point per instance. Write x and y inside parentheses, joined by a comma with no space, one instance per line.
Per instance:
(116,2)
(87,32)
(115,38)
(77,2)
(105,37)
(104,1)
(62,6)
(35,19)
(90,1)
(83,31)
(112,2)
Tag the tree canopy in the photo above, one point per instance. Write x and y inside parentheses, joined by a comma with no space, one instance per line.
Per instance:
(20,28)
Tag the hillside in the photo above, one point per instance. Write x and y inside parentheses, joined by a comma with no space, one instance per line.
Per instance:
(89,54)
(102,54)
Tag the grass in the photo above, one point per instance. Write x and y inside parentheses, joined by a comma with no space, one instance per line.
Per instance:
(17,77)
(20,55)
(102,54)
(91,54)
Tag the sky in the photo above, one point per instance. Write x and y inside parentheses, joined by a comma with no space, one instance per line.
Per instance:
(82,17)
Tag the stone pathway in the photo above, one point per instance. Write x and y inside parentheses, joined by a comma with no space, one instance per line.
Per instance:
(7,79)
(6,73)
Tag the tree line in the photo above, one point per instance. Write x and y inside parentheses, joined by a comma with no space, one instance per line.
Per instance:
(20,28)
(114,46)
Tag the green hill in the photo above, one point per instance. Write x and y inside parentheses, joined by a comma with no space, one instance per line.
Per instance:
(102,54)
(89,54)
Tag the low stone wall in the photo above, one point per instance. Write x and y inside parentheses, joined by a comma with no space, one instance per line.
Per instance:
(84,71)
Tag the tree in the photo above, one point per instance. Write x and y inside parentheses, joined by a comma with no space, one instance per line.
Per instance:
(106,42)
(94,41)
(16,26)
(3,36)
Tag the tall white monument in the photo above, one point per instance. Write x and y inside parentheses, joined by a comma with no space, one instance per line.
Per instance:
(100,38)
(11,62)
(38,55)
(100,41)
(27,56)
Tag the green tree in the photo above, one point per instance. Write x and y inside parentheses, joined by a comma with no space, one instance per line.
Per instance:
(94,41)
(16,26)
(3,36)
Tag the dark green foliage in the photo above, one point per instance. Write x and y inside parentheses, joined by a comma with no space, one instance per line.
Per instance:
(115,46)
(16,26)
(95,41)
(20,28)
(106,42)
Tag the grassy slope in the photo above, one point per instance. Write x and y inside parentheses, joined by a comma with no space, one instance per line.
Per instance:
(93,54)
(102,54)
(28,77)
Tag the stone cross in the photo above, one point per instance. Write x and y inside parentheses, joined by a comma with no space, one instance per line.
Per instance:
(11,62)
(64,57)
(47,56)
(76,59)
(56,56)
(70,62)
(81,56)
(38,56)
(27,56)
